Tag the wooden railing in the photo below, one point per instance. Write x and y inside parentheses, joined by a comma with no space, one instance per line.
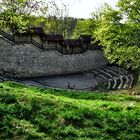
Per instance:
(37,44)
(63,49)
(12,39)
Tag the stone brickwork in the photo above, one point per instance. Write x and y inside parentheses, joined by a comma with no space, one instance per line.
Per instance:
(28,61)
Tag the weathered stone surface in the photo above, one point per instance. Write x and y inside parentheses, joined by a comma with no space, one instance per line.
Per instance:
(1,72)
(1,78)
(29,61)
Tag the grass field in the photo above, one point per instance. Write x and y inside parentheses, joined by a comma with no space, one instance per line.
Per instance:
(31,113)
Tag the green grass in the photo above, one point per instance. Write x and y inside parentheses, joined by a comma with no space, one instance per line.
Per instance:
(31,113)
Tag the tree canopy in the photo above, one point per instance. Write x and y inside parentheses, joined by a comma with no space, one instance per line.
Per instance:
(14,14)
(119,32)
(84,26)
(18,15)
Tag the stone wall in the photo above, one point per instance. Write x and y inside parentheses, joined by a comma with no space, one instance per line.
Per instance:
(28,61)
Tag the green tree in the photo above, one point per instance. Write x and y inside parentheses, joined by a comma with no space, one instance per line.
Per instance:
(15,14)
(130,9)
(119,33)
(84,26)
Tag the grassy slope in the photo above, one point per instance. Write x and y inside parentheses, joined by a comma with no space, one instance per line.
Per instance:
(37,113)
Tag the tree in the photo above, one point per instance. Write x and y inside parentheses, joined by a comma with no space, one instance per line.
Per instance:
(119,36)
(70,24)
(57,20)
(130,9)
(84,26)
(14,14)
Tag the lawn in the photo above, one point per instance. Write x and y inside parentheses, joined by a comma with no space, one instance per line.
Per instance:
(32,113)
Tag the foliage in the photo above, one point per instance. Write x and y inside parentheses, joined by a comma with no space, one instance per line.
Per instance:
(37,113)
(13,21)
(119,36)
(130,9)
(21,14)
(15,14)
(61,25)
(84,26)
(57,20)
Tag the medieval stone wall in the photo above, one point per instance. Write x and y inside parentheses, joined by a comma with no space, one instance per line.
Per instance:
(28,61)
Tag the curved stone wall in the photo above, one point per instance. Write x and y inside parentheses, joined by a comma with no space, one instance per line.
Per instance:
(29,61)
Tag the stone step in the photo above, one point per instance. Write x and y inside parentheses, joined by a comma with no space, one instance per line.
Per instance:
(3,78)
(131,81)
(121,78)
(126,79)
(105,77)
(114,79)
(113,73)
(126,82)
(105,73)
(117,77)
(101,74)
(118,70)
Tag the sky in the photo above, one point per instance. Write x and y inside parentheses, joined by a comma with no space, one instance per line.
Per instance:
(84,8)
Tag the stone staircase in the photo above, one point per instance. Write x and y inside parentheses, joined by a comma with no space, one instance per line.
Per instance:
(112,77)
(10,38)
(3,78)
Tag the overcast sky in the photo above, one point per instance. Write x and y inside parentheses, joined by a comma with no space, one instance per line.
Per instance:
(84,8)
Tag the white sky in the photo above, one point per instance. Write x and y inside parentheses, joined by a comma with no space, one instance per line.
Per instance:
(84,8)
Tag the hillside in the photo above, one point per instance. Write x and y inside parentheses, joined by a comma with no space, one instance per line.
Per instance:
(28,113)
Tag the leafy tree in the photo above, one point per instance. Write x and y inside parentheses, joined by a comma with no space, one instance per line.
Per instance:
(119,32)
(70,24)
(57,20)
(14,14)
(130,9)
(84,26)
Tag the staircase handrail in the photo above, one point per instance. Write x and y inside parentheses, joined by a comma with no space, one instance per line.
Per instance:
(7,35)
(37,44)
